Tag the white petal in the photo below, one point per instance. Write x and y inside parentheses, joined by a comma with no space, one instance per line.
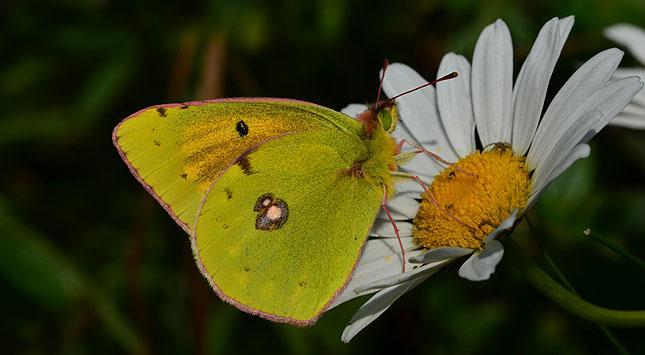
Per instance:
(401,207)
(563,148)
(417,110)
(626,89)
(629,121)
(455,104)
(411,186)
(634,114)
(482,264)
(492,84)
(402,132)
(609,101)
(423,166)
(438,254)
(381,258)
(630,36)
(402,277)
(639,99)
(623,72)
(506,224)
(353,110)
(533,80)
(384,229)
(378,304)
(588,79)
(579,152)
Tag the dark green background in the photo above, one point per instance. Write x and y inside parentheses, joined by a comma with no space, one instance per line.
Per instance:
(89,263)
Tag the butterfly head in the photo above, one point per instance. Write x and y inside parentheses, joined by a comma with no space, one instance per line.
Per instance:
(382,114)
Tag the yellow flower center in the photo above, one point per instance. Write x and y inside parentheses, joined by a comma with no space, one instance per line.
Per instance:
(470,198)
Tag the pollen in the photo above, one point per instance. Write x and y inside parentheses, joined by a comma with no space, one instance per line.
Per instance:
(469,199)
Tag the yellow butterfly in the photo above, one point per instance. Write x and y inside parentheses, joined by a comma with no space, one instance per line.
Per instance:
(278,195)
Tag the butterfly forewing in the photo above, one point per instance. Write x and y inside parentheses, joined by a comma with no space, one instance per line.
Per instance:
(176,151)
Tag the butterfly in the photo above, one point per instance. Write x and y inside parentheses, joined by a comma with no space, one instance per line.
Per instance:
(278,195)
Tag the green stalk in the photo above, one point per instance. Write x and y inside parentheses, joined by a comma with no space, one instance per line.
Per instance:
(569,301)
(613,340)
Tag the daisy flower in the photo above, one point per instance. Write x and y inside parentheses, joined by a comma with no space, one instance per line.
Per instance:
(633,38)
(466,206)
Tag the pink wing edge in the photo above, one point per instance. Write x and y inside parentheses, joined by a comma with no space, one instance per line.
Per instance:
(135,172)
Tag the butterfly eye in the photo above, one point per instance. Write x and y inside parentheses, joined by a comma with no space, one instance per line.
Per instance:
(386,119)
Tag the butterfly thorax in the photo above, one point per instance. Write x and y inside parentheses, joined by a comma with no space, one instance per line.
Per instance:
(378,121)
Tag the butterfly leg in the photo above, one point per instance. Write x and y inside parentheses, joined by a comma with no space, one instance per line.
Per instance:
(396,229)
(421,149)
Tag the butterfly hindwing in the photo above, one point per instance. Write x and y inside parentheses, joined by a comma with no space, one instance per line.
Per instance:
(288,268)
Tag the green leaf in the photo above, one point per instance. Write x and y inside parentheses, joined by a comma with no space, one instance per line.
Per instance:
(34,267)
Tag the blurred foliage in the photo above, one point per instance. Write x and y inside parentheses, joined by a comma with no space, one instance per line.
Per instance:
(91,264)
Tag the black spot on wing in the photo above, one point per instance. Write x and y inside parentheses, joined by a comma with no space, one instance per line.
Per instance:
(157,143)
(184,176)
(161,111)
(229,193)
(242,128)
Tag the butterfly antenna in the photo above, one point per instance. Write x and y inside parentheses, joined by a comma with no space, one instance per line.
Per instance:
(386,63)
(452,75)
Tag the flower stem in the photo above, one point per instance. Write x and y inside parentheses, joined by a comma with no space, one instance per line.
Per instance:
(613,340)
(569,301)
